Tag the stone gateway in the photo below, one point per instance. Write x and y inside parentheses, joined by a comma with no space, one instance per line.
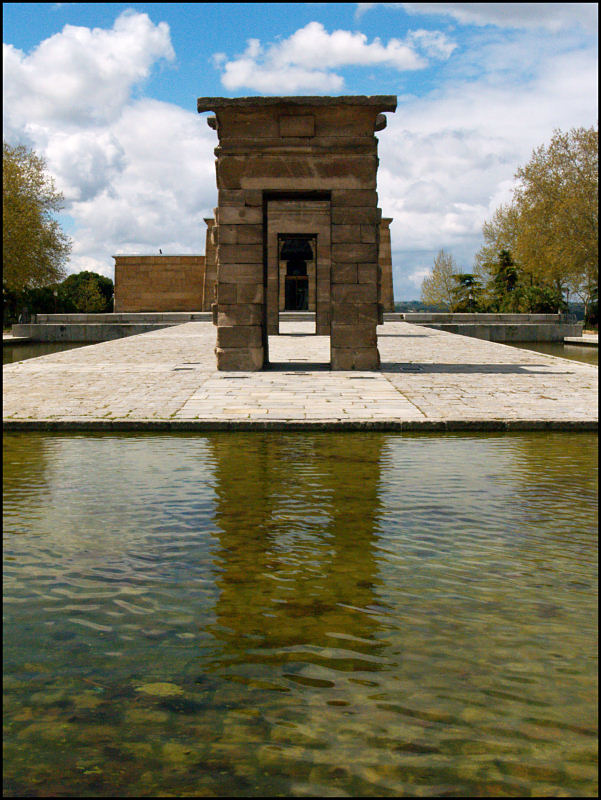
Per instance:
(297,226)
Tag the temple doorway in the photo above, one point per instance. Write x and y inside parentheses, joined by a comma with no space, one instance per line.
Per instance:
(296,253)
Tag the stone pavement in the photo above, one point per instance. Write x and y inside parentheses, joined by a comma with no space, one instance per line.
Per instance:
(429,380)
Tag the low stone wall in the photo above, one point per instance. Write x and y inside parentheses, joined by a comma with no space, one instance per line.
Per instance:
(101,327)
(489,319)
(91,332)
(510,328)
(148,316)
(528,332)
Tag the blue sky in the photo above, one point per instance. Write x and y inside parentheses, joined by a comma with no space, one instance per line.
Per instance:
(107,93)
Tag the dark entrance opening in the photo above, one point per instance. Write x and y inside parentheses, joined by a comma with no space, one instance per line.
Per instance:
(296,251)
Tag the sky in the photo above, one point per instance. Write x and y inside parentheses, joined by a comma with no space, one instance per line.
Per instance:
(106,93)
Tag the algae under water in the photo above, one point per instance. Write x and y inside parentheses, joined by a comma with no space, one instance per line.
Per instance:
(280,614)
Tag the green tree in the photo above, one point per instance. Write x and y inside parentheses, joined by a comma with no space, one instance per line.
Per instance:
(85,292)
(89,298)
(34,248)
(437,288)
(467,293)
(505,286)
(557,200)
(551,225)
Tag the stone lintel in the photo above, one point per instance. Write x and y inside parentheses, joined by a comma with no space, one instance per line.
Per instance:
(384,102)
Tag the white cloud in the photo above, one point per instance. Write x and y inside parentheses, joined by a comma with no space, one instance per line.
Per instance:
(290,65)
(136,175)
(418,275)
(550,16)
(82,76)
(447,160)
(159,195)
(433,43)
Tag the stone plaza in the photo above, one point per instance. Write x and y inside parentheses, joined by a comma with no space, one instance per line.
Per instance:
(428,380)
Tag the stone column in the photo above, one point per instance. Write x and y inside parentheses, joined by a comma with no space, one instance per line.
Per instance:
(354,307)
(240,292)
(385,258)
(210,274)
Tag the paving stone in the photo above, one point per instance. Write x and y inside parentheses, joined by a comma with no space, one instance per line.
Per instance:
(434,381)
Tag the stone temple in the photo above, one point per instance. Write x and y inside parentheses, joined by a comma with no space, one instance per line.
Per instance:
(297,228)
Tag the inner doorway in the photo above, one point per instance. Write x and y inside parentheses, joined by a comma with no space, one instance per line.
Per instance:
(296,254)
(297,281)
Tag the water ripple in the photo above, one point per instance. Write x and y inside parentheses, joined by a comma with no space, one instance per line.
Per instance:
(278,614)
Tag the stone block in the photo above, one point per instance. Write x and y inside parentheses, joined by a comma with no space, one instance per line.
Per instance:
(240,273)
(354,293)
(240,197)
(322,324)
(367,273)
(253,197)
(348,171)
(353,336)
(354,252)
(231,197)
(250,293)
(240,314)
(230,170)
(240,234)
(366,313)
(343,273)
(359,215)
(239,215)
(292,172)
(226,293)
(323,295)
(239,336)
(366,358)
(249,359)
(369,234)
(358,197)
(298,125)
(243,254)
(346,233)
(355,313)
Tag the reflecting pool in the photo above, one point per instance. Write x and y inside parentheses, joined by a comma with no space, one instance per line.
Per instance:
(280,614)
(573,352)
(24,351)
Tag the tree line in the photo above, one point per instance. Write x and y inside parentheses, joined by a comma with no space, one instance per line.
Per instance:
(35,250)
(84,293)
(541,248)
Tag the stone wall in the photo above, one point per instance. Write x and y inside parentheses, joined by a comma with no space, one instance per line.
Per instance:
(159,283)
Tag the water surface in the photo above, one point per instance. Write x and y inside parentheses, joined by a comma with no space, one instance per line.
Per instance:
(573,352)
(22,351)
(300,615)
